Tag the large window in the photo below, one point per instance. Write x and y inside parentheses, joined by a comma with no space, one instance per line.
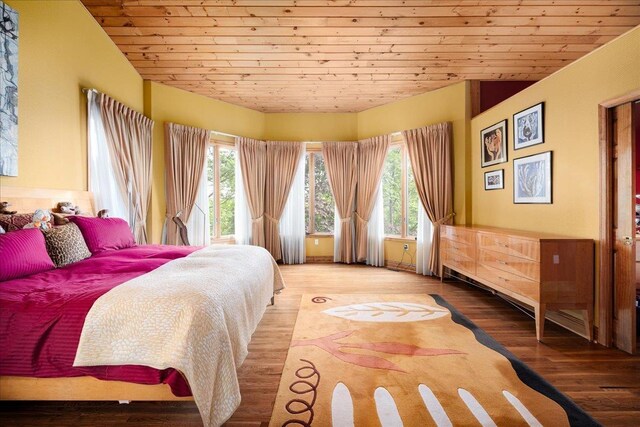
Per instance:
(221,163)
(319,205)
(399,193)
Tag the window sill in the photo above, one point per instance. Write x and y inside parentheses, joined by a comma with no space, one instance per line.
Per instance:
(319,236)
(400,239)
(224,240)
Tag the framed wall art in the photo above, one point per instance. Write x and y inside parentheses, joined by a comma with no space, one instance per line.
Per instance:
(494,180)
(528,127)
(8,91)
(494,144)
(532,179)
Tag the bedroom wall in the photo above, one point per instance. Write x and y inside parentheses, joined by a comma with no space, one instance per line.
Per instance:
(571,98)
(452,104)
(61,50)
(311,127)
(167,104)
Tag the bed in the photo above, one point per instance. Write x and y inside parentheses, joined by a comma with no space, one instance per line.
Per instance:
(140,323)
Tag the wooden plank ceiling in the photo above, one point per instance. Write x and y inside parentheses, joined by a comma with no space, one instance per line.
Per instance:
(350,55)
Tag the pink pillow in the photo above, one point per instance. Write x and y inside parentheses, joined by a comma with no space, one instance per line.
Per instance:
(23,252)
(101,234)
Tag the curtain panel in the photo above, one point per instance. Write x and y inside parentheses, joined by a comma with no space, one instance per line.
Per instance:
(282,163)
(102,176)
(292,221)
(253,164)
(341,161)
(371,155)
(129,137)
(185,154)
(430,154)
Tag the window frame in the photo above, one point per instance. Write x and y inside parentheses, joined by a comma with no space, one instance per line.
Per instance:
(216,142)
(312,151)
(397,140)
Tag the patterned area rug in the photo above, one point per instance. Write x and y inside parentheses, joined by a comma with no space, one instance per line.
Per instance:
(394,360)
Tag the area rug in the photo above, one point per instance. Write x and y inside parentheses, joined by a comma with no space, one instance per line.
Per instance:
(413,360)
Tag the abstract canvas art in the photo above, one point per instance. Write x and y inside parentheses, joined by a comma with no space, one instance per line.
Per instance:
(494,180)
(532,179)
(494,144)
(8,91)
(528,127)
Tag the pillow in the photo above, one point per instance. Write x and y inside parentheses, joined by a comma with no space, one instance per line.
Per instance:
(65,245)
(101,234)
(23,252)
(15,222)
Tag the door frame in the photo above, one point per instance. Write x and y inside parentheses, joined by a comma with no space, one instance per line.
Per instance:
(605,258)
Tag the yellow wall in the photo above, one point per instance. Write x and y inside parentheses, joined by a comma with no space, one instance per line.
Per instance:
(571,98)
(61,50)
(311,127)
(449,104)
(167,104)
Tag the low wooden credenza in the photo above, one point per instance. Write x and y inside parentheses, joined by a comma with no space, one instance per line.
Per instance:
(543,271)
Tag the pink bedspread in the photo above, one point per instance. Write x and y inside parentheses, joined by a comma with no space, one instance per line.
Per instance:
(41,316)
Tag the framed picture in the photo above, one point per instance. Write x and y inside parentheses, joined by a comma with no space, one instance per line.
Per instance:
(528,127)
(532,179)
(494,180)
(494,144)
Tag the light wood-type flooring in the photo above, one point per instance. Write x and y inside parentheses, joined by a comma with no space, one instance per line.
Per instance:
(604,382)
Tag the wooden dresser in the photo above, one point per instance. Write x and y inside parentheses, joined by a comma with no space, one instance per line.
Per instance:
(542,271)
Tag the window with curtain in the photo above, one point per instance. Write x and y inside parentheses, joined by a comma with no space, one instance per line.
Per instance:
(400,196)
(221,189)
(319,204)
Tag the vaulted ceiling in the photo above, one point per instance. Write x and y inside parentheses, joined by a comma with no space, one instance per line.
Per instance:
(350,55)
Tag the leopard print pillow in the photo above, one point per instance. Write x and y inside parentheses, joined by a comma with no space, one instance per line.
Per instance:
(66,245)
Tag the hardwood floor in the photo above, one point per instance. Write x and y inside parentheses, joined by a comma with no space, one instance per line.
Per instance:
(604,382)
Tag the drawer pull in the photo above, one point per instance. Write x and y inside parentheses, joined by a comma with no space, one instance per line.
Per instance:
(500,277)
(503,262)
(504,245)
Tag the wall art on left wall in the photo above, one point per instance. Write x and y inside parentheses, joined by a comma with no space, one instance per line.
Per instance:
(8,91)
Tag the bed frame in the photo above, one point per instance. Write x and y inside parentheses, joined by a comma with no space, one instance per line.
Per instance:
(75,388)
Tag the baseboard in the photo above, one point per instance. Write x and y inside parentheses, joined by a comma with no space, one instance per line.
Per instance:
(319,259)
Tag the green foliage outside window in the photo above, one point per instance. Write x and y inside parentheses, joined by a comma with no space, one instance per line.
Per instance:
(392,192)
(227,191)
(324,205)
(413,203)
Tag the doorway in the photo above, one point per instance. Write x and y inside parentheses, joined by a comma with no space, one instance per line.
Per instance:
(620,217)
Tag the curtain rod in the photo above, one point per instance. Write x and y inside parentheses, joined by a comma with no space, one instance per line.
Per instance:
(89,89)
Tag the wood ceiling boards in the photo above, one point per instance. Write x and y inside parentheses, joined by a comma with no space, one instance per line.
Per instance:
(350,55)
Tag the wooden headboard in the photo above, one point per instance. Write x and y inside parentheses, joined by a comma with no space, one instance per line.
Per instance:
(26,200)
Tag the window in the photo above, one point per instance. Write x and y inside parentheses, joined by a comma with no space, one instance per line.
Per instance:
(399,193)
(319,205)
(221,186)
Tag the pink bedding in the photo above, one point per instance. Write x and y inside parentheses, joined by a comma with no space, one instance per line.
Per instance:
(41,316)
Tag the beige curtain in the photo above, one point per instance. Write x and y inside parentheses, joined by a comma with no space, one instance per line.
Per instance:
(253,164)
(430,154)
(129,137)
(185,153)
(282,161)
(371,155)
(341,161)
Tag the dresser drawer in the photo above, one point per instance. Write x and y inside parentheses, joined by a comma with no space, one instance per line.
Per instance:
(458,248)
(520,266)
(458,234)
(458,261)
(511,282)
(522,248)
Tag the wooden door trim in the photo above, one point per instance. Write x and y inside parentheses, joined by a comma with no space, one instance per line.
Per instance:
(605,284)
(606,243)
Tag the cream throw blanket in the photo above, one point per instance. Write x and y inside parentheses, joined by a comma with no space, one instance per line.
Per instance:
(194,314)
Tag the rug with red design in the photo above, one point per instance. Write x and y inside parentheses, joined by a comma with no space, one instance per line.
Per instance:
(413,360)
